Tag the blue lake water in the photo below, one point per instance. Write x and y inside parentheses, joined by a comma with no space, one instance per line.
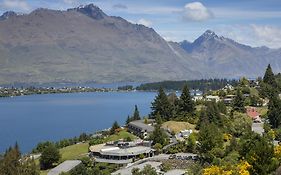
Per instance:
(32,119)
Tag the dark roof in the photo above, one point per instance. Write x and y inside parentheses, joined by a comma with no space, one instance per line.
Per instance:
(141,125)
(66,166)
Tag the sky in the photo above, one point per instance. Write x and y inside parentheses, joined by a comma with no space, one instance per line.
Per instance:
(251,22)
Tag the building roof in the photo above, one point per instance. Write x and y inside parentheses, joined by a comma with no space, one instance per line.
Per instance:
(66,166)
(175,172)
(258,128)
(126,151)
(141,125)
(101,160)
(128,171)
(252,112)
(116,151)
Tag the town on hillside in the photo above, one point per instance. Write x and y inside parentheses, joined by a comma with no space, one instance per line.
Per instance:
(232,130)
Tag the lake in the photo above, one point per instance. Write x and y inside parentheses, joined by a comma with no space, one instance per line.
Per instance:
(32,119)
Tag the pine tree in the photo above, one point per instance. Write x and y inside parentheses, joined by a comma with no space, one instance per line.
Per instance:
(238,102)
(159,136)
(128,120)
(274,114)
(13,164)
(10,165)
(186,103)
(136,115)
(269,77)
(210,115)
(115,126)
(209,138)
(162,106)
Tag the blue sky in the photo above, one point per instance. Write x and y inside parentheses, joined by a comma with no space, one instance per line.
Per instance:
(252,22)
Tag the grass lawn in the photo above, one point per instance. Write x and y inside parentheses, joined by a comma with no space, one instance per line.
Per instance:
(74,151)
(178,126)
(69,153)
(120,135)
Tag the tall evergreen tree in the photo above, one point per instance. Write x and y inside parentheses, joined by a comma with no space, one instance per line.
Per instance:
(269,77)
(274,114)
(209,138)
(162,106)
(12,163)
(136,115)
(186,103)
(210,115)
(159,136)
(238,102)
(128,120)
(115,126)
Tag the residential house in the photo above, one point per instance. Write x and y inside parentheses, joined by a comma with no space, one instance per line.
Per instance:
(253,113)
(212,98)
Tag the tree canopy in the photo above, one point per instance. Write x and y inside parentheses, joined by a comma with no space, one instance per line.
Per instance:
(186,103)
(49,156)
(12,163)
(269,77)
(161,106)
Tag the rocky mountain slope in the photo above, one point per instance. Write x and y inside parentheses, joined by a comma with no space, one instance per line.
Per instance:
(223,57)
(86,45)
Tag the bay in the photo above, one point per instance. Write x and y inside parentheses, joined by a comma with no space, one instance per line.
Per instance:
(32,119)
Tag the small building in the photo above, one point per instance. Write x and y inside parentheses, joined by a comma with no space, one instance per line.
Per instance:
(253,113)
(185,133)
(197,97)
(258,128)
(228,99)
(228,87)
(253,82)
(141,129)
(64,167)
(175,172)
(128,170)
(212,98)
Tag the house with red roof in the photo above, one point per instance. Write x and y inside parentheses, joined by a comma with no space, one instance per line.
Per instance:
(254,114)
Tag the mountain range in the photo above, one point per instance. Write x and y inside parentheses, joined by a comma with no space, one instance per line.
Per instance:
(84,44)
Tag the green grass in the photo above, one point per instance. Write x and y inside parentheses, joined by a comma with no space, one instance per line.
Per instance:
(120,135)
(178,126)
(74,151)
(69,153)
(44,172)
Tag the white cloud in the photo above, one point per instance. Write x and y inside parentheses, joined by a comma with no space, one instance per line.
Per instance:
(144,22)
(253,34)
(269,35)
(69,1)
(21,5)
(196,11)
(231,13)
(120,7)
